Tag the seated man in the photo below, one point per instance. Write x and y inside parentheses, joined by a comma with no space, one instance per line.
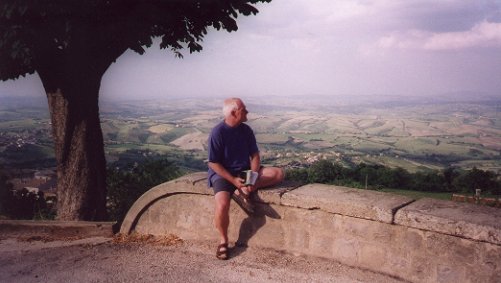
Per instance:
(233,149)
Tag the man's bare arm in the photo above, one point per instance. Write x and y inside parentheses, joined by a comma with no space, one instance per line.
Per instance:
(255,162)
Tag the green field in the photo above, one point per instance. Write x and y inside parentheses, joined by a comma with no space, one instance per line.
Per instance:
(413,137)
(418,195)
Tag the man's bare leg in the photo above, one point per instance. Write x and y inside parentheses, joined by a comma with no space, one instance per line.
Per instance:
(221,215)
(269,176)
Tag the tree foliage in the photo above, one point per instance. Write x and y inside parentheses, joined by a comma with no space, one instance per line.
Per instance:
(70,44)
(323,171)
(377,176)
(126,186)
(470,181)
(25,204)
(33,29)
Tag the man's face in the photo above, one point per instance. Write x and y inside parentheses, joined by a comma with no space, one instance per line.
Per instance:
(241,112)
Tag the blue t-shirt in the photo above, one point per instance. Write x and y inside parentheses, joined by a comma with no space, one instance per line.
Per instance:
(231,147)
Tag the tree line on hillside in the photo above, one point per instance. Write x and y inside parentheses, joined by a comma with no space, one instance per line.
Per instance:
(125,185)
(363,175)
(128,182)
(128,177)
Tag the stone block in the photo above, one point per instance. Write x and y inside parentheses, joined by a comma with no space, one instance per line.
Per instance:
(346,250)
(359,203)
(373,256)
(297,240)
(465,220)
(421,270)
(413,239)
(355,227)
(272,195)
(321,245)
(169,216)
(450,274)
(487,265)
(270,235)
(488,257)
(310,220)
(398,262)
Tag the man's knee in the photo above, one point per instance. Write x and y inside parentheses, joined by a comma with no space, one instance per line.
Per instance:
(272,175)
(222,201)
(280,174)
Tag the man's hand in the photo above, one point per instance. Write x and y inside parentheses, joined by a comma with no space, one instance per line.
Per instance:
(247,190)
(238,182)
(251,188)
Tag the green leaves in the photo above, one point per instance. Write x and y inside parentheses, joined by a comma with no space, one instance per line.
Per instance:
(246,9)
(33,33)
(125,187)
(8,10)
(377,176)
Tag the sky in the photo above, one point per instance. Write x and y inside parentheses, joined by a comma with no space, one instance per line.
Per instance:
(323,47)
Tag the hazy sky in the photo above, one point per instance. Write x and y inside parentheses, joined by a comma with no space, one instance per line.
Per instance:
(324,47)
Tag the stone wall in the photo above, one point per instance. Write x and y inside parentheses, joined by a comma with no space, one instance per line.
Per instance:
(422,240)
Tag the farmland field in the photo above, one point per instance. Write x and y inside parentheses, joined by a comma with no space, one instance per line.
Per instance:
(414,135)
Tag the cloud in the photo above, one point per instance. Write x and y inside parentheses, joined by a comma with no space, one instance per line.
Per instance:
(483,34)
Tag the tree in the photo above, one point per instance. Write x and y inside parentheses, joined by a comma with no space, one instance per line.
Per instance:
(366,174)
(297,174)
(450,173)
(397,178)
(70,44)
(324,171)
(428,181)
(471,180)
(5,192)
(126,186)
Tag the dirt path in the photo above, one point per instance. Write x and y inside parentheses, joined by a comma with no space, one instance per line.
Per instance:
(102,260)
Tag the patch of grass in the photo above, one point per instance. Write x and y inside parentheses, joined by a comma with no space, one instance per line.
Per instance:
(272,138)
(418,195)
(174,134)
(432,145)
(23,124)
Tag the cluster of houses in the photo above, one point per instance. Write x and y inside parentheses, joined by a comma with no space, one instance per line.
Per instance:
(38,181)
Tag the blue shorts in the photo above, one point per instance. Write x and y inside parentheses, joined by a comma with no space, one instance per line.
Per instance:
(222,185)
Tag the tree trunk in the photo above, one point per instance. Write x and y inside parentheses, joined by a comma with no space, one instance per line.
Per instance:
(78,140)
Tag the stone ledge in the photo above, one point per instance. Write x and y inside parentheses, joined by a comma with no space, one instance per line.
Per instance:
(481,223)
(273,195)
(58,229)
(190,184)
(358,203)
(367,229)
(458,219)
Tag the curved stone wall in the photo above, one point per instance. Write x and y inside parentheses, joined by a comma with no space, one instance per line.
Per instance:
(422,240)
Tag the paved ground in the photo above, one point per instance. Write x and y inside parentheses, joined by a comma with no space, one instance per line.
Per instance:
(97,259)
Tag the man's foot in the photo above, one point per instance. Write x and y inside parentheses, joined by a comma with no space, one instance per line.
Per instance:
(222,251)
(244,191)
(244,202)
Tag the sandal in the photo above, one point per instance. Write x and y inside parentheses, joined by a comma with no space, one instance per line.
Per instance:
(245,194)
(244,202)
(222,251)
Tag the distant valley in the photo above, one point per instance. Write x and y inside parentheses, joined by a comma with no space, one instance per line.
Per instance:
(413,133)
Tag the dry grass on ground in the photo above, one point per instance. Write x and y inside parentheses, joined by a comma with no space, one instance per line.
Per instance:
(167,240)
